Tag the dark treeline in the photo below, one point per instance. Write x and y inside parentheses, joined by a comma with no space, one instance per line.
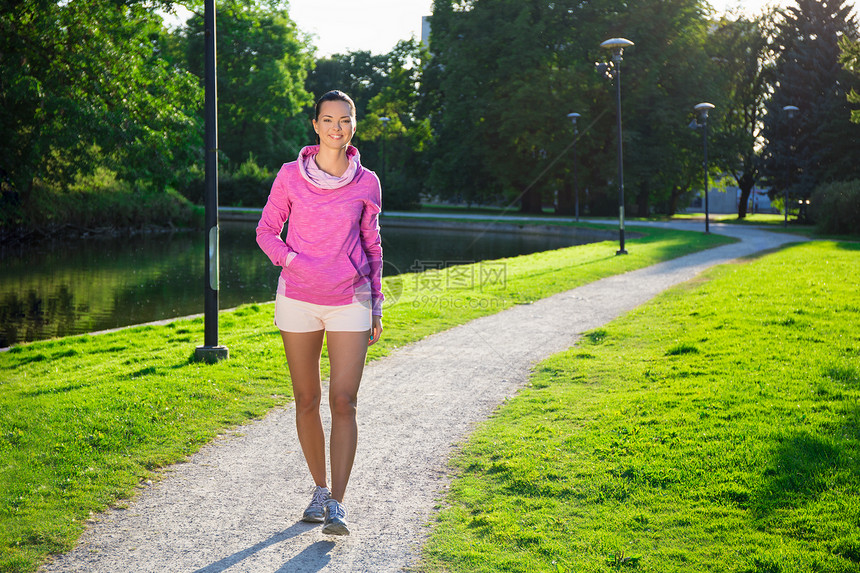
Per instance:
(101,107)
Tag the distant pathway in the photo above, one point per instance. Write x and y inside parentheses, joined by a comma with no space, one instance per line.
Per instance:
(235,505)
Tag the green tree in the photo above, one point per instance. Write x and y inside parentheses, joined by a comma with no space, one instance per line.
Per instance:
(850,59)
(818,145)
(82,85)
(262,66)
(402,143)
(504,77)
(664,76)
(508,72)
(741,50)
(360,74)
(387,85)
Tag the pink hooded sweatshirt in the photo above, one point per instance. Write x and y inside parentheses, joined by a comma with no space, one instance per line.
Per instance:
(333,251)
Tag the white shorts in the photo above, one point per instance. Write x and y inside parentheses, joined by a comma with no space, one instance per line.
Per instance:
(293,315)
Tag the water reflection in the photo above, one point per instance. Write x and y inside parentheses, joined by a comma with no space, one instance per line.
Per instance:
(76,286)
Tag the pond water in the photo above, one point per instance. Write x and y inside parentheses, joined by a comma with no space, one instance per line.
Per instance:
(67,287)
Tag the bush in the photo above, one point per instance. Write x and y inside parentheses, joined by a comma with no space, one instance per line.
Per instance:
(10,203)
(94,201)
(247,186)
(835,207)
(399,191)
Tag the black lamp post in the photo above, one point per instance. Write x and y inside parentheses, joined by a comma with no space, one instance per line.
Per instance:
(791,111)
(702,109)
(573,117)
(211,351)
(617,45)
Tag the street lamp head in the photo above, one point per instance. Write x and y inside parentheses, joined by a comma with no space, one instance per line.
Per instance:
(616,45)
(791,110)
(384,120)
(573,117)
(703,108)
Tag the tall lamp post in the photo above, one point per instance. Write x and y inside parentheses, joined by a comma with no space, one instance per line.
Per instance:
(791,111)
(384,121)
(617,45)
(210,351)
(573,117)
(702,109)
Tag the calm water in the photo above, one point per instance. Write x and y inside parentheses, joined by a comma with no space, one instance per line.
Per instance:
(76,286)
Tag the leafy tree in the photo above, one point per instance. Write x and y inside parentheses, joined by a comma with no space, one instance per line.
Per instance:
(466,76)
(850,59)
(458,167)
(386,85)
(508,72)
(360,74)
(405,138)
(262,67)
(82,85)
(664,76)
(505,75)
(817,146)
(741,50)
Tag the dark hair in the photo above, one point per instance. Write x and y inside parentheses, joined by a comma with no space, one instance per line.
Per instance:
(334,95)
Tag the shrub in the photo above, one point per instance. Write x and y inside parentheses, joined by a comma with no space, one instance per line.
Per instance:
(835,207)
(101,200)
(247,186)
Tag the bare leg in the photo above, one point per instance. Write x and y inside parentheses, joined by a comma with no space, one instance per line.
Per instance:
(347,352)
(303,350)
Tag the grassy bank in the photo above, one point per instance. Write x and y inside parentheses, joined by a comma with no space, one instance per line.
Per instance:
(714,429)
(83,420)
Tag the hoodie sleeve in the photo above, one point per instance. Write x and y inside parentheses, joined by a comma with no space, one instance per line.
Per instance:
(371,242)
(275,214)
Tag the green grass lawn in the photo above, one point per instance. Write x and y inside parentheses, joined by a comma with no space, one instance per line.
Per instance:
(85,420)
(773,220)
(716,428)
(752,218)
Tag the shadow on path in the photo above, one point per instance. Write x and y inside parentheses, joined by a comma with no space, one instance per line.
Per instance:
(313,558)
(294,530)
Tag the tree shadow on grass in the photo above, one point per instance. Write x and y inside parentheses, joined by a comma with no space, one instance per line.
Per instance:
(801,471)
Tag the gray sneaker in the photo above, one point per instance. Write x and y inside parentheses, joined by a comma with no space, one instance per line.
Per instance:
(335,519)
(315,513)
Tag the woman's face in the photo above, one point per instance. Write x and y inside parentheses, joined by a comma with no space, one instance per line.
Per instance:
(335,124)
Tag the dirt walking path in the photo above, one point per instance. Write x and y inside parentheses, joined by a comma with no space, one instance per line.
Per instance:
(235,505)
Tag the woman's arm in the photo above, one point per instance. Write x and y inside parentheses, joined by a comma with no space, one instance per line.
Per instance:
(275,214)
(371,242)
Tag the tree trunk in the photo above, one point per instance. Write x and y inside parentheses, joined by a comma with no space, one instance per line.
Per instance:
(642,200)
(745,184)
(673,199)
(565,199)
(531,201)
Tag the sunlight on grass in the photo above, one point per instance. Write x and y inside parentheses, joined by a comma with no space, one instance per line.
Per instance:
(771,219)
(713,429)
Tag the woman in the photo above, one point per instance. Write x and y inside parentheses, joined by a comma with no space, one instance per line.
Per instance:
(330,286)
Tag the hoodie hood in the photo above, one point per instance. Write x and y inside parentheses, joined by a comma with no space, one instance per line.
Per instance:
(315,176)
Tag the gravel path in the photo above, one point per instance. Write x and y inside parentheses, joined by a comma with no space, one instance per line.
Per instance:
(234,506)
